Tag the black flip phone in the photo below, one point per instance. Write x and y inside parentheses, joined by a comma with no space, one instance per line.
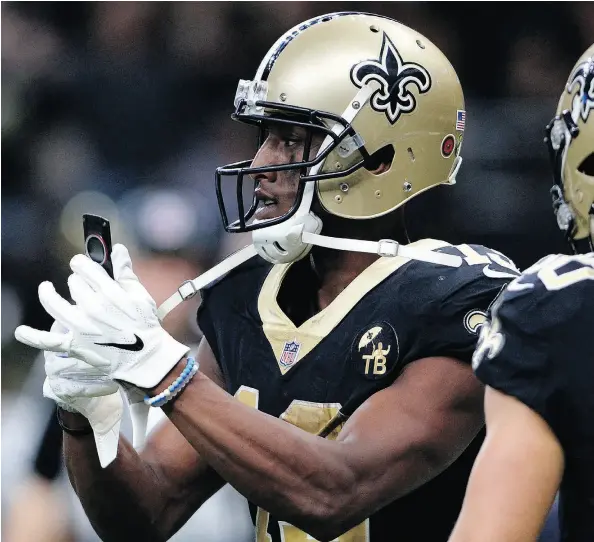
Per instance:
(98,241)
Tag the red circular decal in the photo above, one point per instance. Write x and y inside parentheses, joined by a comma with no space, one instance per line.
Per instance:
(447,146)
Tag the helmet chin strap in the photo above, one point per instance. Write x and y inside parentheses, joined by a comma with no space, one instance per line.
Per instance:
(190,288)
(383,247)
(299,237)
(292,239)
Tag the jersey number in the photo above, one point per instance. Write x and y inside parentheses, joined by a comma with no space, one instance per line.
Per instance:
(491,260)
(311,417)
(556,281)
(549,271)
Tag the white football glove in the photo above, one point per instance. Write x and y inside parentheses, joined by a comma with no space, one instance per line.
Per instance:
(78,387)
(113,326)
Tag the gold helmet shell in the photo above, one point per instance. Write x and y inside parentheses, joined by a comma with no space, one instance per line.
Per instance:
(570,138)
(417,107)
(380,91)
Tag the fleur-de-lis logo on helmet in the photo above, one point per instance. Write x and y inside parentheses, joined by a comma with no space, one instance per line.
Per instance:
(394,75)
(583,101)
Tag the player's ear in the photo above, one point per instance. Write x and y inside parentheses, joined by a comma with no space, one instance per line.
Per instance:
(380,161)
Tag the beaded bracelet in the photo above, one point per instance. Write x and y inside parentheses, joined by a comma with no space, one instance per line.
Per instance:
(176,387)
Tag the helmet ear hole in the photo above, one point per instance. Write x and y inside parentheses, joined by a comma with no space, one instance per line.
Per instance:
(381,160)
(587,165)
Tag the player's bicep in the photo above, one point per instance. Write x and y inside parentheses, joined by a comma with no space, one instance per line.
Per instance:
(515,477)
(186,479)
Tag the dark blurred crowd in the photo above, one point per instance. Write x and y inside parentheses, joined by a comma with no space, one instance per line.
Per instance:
(123,109)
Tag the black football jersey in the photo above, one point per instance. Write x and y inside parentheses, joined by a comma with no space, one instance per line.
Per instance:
(538,348)
(305,369)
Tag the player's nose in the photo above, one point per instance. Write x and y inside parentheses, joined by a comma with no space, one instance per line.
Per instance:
(264,158)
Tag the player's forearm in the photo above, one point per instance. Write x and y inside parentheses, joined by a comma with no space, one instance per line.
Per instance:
(322,487)
(515,477)
(122,501)
(286,471)
(493,512)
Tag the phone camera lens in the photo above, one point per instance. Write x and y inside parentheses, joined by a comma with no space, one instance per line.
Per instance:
(96,249)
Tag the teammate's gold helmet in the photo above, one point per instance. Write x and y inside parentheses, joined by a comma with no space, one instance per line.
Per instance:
(378,90)
(570,139)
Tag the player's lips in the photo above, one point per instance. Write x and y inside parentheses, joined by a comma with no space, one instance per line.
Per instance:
(267,205)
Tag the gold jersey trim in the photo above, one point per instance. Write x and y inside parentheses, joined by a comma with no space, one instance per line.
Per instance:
(281,331)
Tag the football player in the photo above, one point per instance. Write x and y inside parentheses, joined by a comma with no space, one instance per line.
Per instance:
(536,360)
(334,387)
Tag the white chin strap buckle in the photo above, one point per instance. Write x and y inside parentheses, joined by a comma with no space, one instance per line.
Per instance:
(388,247)
(187,290)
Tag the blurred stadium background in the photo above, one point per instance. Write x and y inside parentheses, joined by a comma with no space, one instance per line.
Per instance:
(123,109)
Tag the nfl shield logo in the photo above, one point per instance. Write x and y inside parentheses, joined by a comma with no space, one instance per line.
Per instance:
(290,353)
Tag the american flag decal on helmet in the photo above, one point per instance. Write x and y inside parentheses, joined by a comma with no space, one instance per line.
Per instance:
(289,353)
(460,119)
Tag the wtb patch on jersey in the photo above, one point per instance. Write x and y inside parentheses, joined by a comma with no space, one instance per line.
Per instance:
(290,353)
(375,350)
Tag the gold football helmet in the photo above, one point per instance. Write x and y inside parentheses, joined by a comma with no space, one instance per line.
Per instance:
(375,88)
(570,140)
